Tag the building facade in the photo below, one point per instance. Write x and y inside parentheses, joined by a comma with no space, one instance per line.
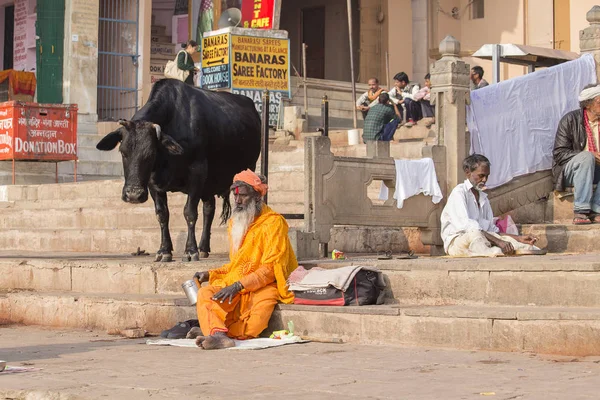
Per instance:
(105,54)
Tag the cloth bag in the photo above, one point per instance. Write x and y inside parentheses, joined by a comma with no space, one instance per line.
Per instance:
(364,289)
(173,72)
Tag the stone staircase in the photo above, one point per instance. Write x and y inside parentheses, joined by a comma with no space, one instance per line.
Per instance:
(534,304)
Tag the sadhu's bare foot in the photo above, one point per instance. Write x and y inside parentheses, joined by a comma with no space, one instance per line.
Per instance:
(217,341)
(200,340)
(194,333)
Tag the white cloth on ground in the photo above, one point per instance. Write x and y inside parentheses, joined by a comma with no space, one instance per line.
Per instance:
(250,344)
(412,178)
(339,278)
(463,213)
(513,123)
(474,244)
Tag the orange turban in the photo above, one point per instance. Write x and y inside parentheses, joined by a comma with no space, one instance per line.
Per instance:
(253,180)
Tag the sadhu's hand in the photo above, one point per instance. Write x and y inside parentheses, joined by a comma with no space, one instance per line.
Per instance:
(202,276)
(506,247)
(527,239)
(228,292)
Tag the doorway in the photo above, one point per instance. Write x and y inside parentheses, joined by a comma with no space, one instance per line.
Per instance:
(562,25)
(313,34)
(9,36)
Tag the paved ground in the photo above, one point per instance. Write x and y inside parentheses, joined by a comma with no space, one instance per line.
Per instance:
(94,365)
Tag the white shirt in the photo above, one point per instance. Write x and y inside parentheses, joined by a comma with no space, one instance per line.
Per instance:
(365,98)
(462,213)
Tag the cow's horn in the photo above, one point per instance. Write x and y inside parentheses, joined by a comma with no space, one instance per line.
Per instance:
(158,130)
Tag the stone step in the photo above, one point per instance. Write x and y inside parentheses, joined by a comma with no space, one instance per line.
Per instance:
(124,241)
(161,39)
(115,216)
(565,238)
(158,30)
(99,204)
(567,331)
(278,181)
(91,153)
(557,281)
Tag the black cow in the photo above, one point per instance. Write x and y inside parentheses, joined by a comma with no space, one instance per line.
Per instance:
(186,140)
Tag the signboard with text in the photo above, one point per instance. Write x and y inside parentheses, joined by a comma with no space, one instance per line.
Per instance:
(260,63)
(258,14)
(248,65)
(215,62)
(31,131)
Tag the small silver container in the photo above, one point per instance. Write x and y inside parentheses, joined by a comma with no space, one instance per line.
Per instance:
(191,291)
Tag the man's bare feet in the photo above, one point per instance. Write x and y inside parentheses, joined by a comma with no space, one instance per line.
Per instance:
(194,333)
(217,341)
(200,340)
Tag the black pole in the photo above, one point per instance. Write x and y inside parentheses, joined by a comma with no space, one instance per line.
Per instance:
(325,115)
(264,148)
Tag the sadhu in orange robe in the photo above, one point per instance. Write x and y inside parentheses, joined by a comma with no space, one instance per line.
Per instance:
(262,264)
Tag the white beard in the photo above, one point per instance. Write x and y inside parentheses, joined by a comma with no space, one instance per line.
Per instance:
(240,222)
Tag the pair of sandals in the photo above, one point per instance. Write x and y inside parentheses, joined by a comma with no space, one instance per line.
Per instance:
(180,330)
(586,219)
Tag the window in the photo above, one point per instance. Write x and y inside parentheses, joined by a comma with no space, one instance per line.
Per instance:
(477,9)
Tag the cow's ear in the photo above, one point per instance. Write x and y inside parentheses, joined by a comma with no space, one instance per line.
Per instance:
(171,145)
(110,141)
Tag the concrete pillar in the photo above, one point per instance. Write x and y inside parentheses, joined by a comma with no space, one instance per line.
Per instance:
(80,67)
(450,92)
(144,44)
(589,38)
(420,40)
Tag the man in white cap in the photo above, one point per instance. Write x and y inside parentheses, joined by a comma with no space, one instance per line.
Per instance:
(577,156)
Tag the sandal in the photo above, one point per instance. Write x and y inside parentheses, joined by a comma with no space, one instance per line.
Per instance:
(594,218)
(387,255)
(180,330)
(581,219)
(407,255)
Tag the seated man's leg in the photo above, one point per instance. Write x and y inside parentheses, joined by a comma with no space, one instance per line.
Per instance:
(413,110)
(212,315)
(255,312)
(595,207)
(579,173)
(472,244)
(427,109)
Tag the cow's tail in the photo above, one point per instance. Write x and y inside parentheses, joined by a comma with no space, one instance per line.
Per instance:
(226,212)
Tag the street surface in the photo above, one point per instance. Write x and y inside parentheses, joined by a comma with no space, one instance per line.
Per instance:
(94,365)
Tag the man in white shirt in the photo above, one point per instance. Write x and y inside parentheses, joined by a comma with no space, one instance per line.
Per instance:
(370,98)
(468,228)
(404,92)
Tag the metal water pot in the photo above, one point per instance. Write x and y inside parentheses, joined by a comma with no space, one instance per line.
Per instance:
(191,290)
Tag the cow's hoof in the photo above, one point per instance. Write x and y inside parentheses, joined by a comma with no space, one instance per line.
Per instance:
(164,257)
(203,254)
(189,256)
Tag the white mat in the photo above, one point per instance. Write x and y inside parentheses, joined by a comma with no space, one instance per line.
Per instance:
(251,344)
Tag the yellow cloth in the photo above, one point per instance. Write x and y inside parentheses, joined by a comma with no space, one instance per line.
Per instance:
(265,251)
(21,82)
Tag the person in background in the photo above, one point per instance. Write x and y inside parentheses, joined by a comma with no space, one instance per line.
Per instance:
(403,93)
(477,78)
(378,117)
(370,97)
(423,96)
(185,61)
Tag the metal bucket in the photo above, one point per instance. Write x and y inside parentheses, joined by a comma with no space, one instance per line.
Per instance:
(191,290)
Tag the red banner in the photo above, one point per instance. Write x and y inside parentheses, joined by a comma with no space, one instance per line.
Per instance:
(258,14)
(31,131)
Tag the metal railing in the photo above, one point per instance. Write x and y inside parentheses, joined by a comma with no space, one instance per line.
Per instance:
(118,38)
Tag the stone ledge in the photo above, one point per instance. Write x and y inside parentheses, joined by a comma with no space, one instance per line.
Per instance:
(569,331)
